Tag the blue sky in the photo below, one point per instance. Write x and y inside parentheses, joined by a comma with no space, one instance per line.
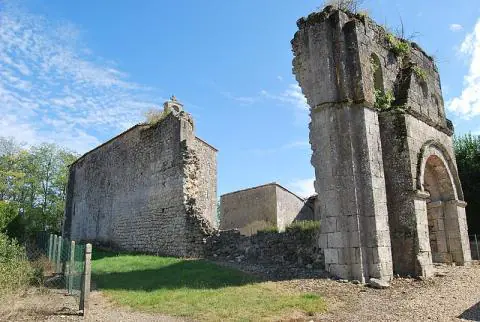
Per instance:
(79,72)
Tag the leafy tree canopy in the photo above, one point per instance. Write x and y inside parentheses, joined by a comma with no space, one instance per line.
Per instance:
(467,154)
(32,186)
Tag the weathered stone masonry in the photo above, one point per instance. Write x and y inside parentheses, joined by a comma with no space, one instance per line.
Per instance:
(150,189)
(380,172)
(269,205)
(293,248)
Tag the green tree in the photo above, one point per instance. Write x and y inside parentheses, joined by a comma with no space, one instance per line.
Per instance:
(35,181)
(8,211)
(467,154)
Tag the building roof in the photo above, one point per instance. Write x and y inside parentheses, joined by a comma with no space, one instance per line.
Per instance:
(262,186)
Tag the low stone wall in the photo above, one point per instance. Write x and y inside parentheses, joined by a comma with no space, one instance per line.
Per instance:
(294,247)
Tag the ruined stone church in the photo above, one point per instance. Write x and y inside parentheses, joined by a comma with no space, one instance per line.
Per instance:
(152,189)
(389,192)
(389,196)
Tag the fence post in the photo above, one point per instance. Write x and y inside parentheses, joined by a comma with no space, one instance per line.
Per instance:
(59,255)
(50,246)
(54,252)
(86,280)
(476,246)
(71,270)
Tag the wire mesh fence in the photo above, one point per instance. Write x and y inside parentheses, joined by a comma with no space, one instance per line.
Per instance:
(67,264)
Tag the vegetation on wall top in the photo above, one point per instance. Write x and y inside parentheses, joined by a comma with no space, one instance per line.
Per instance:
(155,116)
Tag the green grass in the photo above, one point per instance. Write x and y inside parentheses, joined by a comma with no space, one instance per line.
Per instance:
(304,225)
(196,289)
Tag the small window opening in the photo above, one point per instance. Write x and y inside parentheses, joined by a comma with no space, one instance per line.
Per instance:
(377,73)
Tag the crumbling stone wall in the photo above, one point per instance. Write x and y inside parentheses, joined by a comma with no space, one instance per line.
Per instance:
(297,248)
(145,190)
(378,121)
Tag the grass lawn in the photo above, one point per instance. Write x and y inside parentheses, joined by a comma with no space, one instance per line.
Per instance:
(196,289)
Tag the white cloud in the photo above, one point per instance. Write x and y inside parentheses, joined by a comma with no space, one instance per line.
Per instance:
(303,187)
(52,87)
(455,27)
(467,104)
(244,100)
(292,95)
(285,147)
(280,78)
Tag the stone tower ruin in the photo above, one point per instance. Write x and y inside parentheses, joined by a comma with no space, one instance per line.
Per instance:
(389,192)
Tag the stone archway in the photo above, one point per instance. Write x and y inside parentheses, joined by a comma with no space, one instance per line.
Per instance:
(439,186)
(445,212)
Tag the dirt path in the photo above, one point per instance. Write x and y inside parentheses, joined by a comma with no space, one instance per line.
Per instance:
(53,305)
(446,298)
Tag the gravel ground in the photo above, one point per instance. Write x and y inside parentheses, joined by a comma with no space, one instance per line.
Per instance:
(453,296)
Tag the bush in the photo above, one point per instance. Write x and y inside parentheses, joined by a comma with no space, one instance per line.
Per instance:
(399,47)
(39,267)
(420,73)
(304,225)
(269,229)
(383,100)
(15,270)
(345,5)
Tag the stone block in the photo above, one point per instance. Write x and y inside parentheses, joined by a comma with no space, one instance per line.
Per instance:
(331,256)
(335,240)
(341,270)
(329,225)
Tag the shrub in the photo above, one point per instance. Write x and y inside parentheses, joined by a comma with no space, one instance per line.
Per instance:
(269,229)
(399,47)
(304,225)
(39,267)
(383,100)
(15,270)
(420,73)
(363,15)
(345,5)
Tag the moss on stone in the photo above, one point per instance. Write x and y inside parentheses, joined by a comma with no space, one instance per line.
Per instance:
(420,73)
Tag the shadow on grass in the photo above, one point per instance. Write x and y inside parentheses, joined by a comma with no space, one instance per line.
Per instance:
(192,274)
(472,313)
(99,253)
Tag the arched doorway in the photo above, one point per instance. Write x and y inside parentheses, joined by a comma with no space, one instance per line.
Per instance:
(438,183)
(445,211)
